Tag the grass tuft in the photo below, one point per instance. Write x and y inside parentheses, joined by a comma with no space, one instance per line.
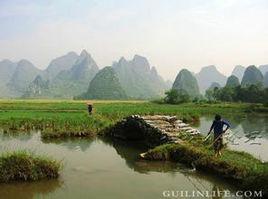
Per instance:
(26,166)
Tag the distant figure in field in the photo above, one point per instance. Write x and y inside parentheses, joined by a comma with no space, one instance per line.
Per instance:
(89,108)
(218,129)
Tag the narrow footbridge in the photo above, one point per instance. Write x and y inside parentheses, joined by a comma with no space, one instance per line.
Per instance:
(152,129)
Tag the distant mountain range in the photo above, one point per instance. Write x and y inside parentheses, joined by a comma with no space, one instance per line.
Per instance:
(15,77)
(65,77)
(7,69)
(263,69)
(70,75)
(239,72)
(59,64)
(138,78)
(79,75)
(207,76)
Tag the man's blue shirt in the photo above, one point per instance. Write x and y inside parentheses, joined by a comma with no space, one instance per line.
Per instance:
(217,126)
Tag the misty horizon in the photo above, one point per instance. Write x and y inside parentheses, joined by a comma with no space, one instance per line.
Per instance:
(171,35)
(116,60)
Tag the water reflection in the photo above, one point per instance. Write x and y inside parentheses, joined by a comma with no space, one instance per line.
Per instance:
(254,124)
(130,152)
(71,143)
(23,136)
(29,190)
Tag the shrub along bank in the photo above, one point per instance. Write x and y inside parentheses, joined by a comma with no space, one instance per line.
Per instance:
(239,167)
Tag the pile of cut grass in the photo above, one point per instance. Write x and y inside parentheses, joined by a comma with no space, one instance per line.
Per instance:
(26,166)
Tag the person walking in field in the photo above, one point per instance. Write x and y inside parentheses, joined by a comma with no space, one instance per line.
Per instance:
(218,129)
(89,108)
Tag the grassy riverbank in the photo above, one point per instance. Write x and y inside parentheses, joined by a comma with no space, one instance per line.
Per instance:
(242,168)
(57,118)
(25,166)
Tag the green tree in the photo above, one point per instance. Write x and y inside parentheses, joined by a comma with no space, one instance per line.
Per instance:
(254,93)
(176,96)
(210,95)
(171,96)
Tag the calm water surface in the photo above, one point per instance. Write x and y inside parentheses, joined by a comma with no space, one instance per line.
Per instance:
(95,168)
(101,169)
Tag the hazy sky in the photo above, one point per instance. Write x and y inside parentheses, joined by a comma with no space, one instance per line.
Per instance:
(172,34)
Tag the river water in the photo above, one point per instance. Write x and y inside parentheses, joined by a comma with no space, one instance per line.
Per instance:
(100,169)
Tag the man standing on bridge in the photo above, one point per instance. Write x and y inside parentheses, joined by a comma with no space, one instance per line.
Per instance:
(218,128)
